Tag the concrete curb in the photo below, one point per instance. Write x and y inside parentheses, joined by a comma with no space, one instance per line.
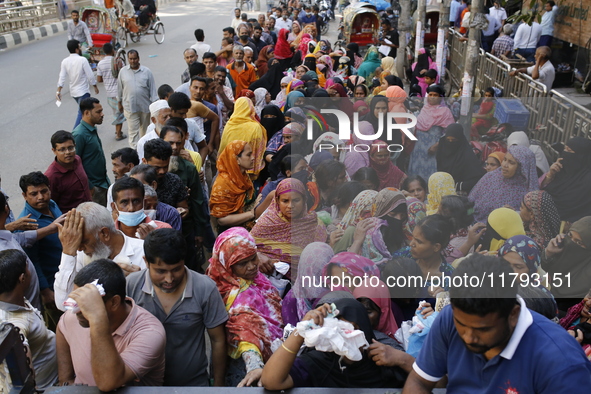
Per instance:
(12,40)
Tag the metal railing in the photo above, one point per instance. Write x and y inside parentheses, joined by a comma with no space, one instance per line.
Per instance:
(19,15)
(553,116)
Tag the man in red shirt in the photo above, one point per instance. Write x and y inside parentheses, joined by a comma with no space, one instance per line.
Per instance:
(243,74)
(67,179)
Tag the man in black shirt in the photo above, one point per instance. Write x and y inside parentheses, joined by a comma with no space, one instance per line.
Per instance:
(391,35)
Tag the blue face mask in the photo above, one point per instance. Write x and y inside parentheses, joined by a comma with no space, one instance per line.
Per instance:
(132,219)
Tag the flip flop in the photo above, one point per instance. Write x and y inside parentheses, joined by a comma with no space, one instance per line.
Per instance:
(123,136)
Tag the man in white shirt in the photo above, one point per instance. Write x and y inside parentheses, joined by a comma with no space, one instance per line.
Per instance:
(526,39)
(200,47)
(284,22)
(236,20)
(498,12)
(548,24)
(543,71)
(77,69)
(105,75)
(89,234)
(489,34)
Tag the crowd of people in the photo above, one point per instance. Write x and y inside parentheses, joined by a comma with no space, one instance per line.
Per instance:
(238,213)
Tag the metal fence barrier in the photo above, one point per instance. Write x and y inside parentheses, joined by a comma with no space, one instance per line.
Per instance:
(553,116)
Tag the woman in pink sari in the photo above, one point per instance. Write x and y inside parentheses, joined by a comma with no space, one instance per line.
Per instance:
(253,304)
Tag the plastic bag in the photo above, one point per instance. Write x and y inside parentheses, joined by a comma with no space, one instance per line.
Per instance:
(419,330)
(276,278)
(403,333)
(335,336)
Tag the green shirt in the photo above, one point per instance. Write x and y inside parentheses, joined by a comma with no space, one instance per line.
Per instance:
(90,150)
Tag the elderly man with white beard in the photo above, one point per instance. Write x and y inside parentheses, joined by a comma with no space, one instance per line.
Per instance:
(89,234)
(159,114)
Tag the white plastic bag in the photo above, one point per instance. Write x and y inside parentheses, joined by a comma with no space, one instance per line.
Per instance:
(335,336)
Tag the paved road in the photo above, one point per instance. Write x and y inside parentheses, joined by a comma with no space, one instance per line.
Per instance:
(29,76)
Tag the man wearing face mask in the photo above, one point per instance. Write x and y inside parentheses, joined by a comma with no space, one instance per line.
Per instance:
(128,209)
(152,206)
(245,40)
(89,234)
(283,22)
(308,17)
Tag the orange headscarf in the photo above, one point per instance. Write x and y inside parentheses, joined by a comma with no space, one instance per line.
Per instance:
(232,186)
(396,97)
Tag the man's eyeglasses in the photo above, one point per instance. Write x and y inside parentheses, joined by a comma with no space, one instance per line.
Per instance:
(68,149)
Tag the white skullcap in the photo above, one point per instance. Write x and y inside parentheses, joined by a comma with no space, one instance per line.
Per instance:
(156,106)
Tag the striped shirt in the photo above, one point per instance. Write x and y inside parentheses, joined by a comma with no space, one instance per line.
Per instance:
(103,69)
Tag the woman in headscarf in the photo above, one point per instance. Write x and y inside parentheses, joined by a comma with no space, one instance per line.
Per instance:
(327,139)
(310,62)
(283,230)
(243,126)
(355,160)
(295,114)
(540,216)
(381,235)
(502,224)
(378,107)
(570,254)
(577,317)
(352,265)
(246,93)
(416,212)
(260,96)
(283,51)
(460,211)
(494,160)
(352,82)
(233,195)
(272,119)
(569,180)
(396,98)
(292,99)
(353,54)
(376,301)
(379,160)
(441,184)
(456,157)
(286,369)
(296,29)
(303,295)
(252,302)
(265,55)
(483,119)
(523,254)
(361,208)
(290,133)
(423,64)
(370,63)
(434,117)
(521,139)
(506,185)
(389,64)
(302,43)
(271,80)
(328,62)
(338,95)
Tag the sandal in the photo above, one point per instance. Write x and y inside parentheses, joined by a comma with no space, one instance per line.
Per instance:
(122,137)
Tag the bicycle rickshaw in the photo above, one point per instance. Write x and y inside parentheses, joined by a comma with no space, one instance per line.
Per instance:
(129,26)
(102,25)
(361,25)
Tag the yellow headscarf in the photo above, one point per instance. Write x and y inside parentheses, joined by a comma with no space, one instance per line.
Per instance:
(389,64)
(507,223)
(242,126)
(441,184)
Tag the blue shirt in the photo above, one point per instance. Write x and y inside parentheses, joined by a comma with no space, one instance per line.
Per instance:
(304,20)
(540,357)
(168,214)
(46,253)
(453,10)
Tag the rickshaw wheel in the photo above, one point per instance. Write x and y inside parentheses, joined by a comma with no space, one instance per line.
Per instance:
(122,37)
(159,32)
(135,37)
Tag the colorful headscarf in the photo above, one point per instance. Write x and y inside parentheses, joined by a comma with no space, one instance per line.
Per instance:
(282,47)
(494,190)
(527,249)
(434,115)
(291,99)
(389,64)
(327,61)
(242,126)
(389,174)
(416,213)
(260,94)
(441,184)
(314,258)
(231,187)
(396,98)
(546,223)
(293,128)
(370,63)
(245,93)
(254,311)
(362,207)
(380,295)
(502,224)
(352,264)
(283,239)
(355,160)
(500,156)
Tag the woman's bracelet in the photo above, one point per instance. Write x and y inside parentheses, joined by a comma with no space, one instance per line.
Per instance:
(288,350)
